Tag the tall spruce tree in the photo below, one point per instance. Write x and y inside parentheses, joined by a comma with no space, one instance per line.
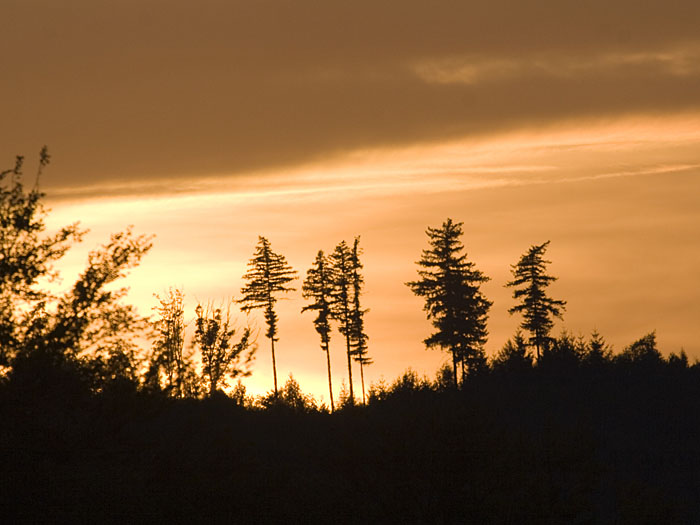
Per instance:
(268,275)
(454,303)
(318,288)
(358,337)
(530,281)
(341,305)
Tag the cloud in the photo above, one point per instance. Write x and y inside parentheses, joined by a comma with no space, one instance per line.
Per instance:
(681,62)
(126,91)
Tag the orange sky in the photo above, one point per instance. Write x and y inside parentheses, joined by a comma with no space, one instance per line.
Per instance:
(210,124)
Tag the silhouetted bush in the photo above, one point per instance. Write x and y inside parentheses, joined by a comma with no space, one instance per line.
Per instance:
(289,398)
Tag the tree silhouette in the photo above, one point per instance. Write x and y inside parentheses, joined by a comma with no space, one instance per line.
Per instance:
(170,338)
(358,337)
(598,352)
(530,282)
(89,329)
(678,361)
(563,354)
(220,356)
(514,356)
(85,336)
(268,275)
(318,287)
(290,398)
(169,352)
(642,354)
(341,306)
(26,255)
(454,303)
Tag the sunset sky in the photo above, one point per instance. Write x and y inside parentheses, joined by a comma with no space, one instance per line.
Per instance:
(210,123)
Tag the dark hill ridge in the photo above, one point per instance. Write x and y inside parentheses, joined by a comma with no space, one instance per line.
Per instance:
(589,445)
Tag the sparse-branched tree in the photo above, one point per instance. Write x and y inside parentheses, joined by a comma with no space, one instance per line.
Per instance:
(170,336)
(454,303)
(221,357)
(530,281)
(344,400)
(318,288)
(169,352)
(341,306)
(358,337)
(238,395)
(268,275)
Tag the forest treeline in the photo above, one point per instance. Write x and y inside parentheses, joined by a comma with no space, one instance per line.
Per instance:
(91,329)
(550,429)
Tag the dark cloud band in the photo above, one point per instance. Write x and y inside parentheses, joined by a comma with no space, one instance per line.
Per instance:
(127,90)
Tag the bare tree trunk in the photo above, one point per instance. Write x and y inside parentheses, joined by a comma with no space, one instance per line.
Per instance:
(180,392)
(347,344)
(330,383)
(362,375)
(274,364)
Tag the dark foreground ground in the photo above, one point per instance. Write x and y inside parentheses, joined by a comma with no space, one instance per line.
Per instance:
(584,448)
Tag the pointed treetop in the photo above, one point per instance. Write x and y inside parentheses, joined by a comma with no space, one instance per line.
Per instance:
(530,281)
(268,274)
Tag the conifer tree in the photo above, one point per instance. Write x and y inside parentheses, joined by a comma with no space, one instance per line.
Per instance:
(598,351)
(341,305)
(514,356)
(530,282)
(268,275)
(318,287)
(454,303)
(358,338)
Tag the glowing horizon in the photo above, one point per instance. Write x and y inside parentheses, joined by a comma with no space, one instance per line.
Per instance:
(209,124)
(204,239)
